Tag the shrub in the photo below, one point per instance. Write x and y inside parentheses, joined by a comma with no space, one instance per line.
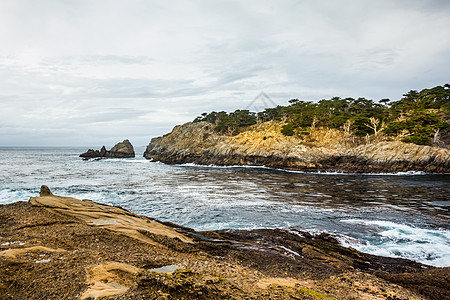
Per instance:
(288,130)
(418,139)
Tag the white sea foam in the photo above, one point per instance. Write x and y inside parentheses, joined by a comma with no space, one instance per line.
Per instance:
(408,173)
(348,241)
(122,160)
(10,196)
(233,226)
(222,167)
(428,246)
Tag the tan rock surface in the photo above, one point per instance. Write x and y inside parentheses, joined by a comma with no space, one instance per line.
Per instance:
(103,280)
(322,150)
(108,217)
(63,248)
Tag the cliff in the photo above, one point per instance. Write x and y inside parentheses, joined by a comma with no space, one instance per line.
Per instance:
(56,247)
(120,150)
(321,150)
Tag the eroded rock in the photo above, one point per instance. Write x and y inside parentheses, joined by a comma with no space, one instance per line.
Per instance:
(264,145)
(120,150)
(72,249)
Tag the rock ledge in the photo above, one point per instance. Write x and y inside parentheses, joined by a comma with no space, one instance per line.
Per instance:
(55,247)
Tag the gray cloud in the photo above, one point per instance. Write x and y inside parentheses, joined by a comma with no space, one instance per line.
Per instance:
(122,59)
(91,72)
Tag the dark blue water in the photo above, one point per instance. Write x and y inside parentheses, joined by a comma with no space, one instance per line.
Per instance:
(404,215)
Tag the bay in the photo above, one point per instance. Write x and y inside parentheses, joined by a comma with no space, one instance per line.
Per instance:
(398,215)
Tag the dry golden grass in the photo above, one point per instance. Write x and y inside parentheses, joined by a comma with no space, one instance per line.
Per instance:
(268,135)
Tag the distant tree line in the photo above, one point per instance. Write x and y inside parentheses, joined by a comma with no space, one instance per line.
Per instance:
(418,117)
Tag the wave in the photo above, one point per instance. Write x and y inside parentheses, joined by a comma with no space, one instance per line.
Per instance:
(10,196)
(117,160)
(224,167)
(428,246)
(407,173)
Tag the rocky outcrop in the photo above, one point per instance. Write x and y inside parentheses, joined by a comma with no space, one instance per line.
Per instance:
(324,150)
(120,150)
(56,247)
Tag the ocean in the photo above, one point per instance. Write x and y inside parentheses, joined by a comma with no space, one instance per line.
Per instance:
(397,215)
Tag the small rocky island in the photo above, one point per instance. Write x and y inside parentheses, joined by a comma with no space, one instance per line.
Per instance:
(120,150)
(54,247)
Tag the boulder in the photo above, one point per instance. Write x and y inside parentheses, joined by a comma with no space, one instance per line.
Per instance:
(120,150)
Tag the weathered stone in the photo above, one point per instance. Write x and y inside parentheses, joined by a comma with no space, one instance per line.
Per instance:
(120,150)
(45,191)
(80,249)
(264,145)
(103,151)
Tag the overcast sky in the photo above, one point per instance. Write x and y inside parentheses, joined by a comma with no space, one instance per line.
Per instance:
(90,73)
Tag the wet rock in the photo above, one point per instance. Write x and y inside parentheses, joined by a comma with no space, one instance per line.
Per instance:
(120,150)
(103,151)
(75,249)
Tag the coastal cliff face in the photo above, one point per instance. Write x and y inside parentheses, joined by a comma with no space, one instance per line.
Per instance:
(322,150)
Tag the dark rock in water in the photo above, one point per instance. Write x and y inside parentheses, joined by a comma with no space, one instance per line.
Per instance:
(120,150)
(90,154)
(123,149)
(103,151)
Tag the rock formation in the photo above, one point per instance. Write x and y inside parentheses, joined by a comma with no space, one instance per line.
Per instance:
(56,247)
(323,150)
(120,150)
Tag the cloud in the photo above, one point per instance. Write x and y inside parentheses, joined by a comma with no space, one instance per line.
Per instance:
(121,59)
(81,72)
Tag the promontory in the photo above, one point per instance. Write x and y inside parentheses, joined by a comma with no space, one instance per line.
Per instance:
(335,135)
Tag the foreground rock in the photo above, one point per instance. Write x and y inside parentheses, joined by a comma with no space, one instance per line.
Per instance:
(63,248)
(120,150)
(322,150)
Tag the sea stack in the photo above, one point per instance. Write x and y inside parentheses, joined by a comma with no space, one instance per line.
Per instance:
(120,150)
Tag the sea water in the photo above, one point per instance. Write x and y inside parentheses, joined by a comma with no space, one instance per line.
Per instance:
(398,215)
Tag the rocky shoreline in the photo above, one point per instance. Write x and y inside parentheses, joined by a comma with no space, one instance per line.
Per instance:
(325,150)
(62,248)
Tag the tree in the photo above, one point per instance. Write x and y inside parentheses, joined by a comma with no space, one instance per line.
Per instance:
(384,101)
(348,127)
(418,117)
(374,124)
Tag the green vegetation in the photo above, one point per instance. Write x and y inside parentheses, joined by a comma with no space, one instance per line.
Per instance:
(315,294)
(418,117)
(229,122)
